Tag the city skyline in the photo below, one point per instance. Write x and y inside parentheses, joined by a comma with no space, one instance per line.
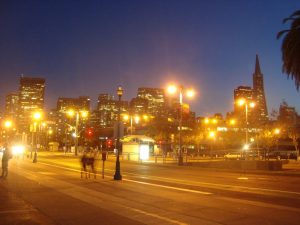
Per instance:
(143,44)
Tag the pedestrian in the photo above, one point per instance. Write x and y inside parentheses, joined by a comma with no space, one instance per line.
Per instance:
(5,158)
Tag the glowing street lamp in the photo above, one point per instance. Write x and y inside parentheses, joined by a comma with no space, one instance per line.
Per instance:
(118,175)
(232,122)
(212,136)
(136,119)
(78,114)
(277,131)
(244,102)
(8,124)
(172,89)
(37,116)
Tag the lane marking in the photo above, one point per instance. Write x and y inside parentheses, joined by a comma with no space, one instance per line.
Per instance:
(169,187)
(47,173)
(243,178)
(156,216)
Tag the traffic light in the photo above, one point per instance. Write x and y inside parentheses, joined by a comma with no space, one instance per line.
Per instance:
(90,133)
(109,143)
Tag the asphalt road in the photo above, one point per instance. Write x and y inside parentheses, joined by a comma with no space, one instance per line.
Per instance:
(151,194)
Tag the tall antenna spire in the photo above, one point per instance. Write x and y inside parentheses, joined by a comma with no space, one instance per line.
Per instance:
(257,66)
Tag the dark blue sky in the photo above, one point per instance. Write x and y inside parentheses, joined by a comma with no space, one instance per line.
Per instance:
(90,47)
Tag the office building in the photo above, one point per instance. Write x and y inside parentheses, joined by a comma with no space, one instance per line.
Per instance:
(11,105)
(80,103)
(155,98)
(107,110)
(31,99)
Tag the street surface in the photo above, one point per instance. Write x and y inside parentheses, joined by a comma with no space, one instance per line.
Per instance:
(52,192)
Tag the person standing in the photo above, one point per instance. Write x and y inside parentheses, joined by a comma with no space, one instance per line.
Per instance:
(5,158)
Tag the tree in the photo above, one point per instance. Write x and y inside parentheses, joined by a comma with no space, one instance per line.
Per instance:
(290,48)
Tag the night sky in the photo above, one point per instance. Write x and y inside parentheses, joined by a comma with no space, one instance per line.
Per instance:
(91,47)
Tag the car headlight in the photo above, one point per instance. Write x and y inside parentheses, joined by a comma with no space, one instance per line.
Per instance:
(18,149)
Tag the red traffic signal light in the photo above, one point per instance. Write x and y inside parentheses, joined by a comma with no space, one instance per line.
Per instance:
(109,143)
(90,132)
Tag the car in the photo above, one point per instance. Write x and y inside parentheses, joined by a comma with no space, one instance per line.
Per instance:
(233,155)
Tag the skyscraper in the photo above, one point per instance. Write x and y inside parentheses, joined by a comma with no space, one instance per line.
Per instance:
(31,98)
(80,103)
(12,105)
(155,97)
(107,110)
(261,112)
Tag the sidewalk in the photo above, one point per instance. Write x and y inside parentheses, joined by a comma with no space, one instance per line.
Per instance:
(13,210)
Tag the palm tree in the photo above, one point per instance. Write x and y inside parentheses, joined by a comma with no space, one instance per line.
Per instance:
(291,48)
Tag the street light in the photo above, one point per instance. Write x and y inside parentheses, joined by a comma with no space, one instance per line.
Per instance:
(37,116)
(7,125)
(276,133)
(136,119)
(212,136)
(247,104)
(77,113)
(232,122)
(118,175)
(172,89)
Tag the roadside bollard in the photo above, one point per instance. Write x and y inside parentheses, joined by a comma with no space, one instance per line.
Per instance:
(103,163)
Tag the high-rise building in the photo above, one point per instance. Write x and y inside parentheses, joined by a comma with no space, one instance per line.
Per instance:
(66,124)
(108,110)
(31,99)
(287,115)
(12,105)
(242,92)
(80,103)
(259,95)
(155,97)
(139,105)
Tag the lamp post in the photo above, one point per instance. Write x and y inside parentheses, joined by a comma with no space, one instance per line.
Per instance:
(212,136)
(277,132)
(37,116)
(247,104)
(190,93)
(7,125)
(77,113)
(136,119)
(118,175)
